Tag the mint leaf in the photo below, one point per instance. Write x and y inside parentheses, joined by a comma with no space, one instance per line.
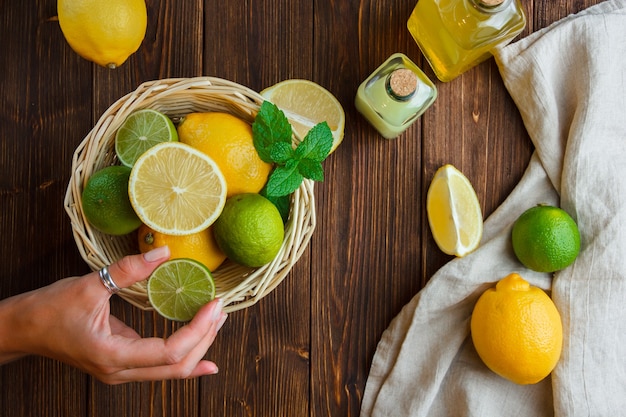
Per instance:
(270,126)
(311,169)
(281,152)
(285,179)
(317,143)
(272,136)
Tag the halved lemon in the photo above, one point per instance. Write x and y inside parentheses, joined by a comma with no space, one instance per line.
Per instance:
(306,104)
(454,212)
(176,189)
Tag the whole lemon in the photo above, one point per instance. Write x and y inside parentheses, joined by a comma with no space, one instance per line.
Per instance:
(105,32)
(227,140)
(545,238)
(250,230)
(200,246)
(517,330)
(106,204)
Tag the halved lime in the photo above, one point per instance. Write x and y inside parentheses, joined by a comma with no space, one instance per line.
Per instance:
(179,287)
(140,131)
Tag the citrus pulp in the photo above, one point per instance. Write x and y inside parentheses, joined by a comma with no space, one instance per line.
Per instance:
(176,189)
(140,131)
(179,287)
(306,104)
(454,213)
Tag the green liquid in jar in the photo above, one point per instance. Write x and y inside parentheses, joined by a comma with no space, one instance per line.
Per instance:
(392,107)
(456,35)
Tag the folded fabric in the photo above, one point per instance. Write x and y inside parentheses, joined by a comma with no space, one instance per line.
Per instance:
(569,83)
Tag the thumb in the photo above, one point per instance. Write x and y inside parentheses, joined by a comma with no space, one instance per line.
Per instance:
(135,268)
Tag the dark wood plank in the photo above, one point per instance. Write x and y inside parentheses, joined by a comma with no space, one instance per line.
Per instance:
(367,254)
(44,106)
(262,352)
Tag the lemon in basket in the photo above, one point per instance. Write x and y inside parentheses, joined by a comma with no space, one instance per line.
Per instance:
(306,104)
(454,213)
(200,246)
(105,32)
(176,189)
(179,287)
(227,140)
(140,131)
(105,201)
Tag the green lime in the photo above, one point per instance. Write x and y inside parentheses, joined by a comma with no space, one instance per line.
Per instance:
(545,239)
(250,230)
(179,287)
(140,131)
(106,204)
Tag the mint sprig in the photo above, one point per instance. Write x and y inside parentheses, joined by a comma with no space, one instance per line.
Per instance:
(272,139)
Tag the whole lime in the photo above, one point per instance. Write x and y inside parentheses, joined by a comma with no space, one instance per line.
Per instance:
(106,204)
(545,238)
(250,230)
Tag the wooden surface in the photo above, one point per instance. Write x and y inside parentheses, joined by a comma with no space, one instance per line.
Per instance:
(305,349)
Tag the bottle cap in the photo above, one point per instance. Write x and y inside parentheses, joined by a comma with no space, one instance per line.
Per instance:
(402,83)
(492,3)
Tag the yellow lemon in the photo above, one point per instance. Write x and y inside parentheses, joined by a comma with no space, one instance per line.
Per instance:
(200,246)
(105,32)
(176,189)
(454,213)
(517,330)
(227,140)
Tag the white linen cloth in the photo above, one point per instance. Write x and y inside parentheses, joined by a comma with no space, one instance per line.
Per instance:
(569,83)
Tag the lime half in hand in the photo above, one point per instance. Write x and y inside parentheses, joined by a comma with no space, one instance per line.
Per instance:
(178,288)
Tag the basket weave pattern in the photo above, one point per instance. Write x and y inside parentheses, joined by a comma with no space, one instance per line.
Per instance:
(238,286)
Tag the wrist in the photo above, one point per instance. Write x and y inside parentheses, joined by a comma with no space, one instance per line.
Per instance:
(10,330)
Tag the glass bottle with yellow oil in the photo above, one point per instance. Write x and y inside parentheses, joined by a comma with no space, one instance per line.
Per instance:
(456,35)
(395,95)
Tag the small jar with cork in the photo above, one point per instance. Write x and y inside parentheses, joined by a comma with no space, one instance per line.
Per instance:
(395,95)
(456,35)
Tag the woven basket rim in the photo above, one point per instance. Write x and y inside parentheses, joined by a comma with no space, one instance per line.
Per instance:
(239,287)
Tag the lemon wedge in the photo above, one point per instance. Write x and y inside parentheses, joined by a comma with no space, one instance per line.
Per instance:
(454,213)
(306,104)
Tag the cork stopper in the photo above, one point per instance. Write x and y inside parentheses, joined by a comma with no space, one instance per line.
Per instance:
(402,83)
(491,3)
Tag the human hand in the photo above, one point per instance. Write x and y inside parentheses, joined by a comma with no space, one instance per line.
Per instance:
(70,321)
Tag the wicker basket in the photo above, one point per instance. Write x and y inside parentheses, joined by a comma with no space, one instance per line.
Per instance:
(239,287)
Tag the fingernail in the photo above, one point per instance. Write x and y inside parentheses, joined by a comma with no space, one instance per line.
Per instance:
(217,310)
(158,254)
(222,321)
